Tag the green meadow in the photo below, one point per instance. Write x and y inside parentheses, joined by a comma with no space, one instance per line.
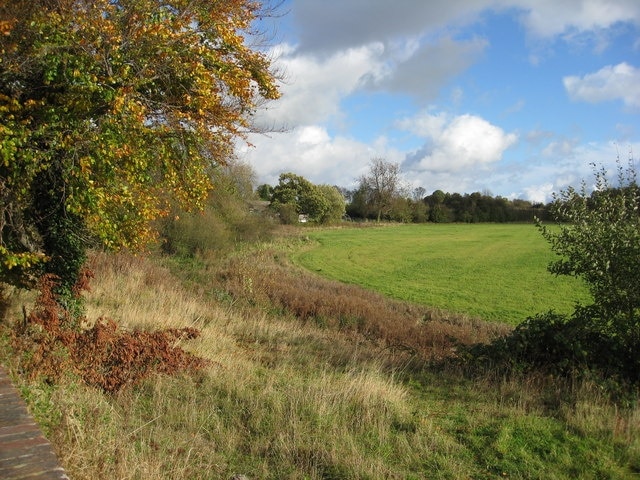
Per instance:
(497,272)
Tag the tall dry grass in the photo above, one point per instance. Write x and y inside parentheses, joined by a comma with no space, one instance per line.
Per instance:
(268,405)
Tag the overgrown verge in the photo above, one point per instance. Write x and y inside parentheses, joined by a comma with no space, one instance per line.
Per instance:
(575,347)
(49,344)
(265,277)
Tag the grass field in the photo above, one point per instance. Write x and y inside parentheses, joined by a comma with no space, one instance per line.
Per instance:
(495,272)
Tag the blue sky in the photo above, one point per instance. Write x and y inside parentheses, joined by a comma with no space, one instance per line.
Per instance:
(514,97)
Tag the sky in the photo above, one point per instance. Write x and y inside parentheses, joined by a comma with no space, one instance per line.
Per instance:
(516,98)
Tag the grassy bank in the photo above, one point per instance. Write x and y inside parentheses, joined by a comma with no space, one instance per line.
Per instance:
(495,272)
(302,386)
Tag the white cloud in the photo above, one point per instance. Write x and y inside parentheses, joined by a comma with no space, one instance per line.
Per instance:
(404,47)
(564,167)
(550,18)
(413,49)
(612,82)
(539,193)
(457,143)
(312,152)
(425,125)
(313,87)
(560,148)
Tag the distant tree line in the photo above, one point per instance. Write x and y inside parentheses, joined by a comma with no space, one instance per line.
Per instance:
(441,207)
(380,195)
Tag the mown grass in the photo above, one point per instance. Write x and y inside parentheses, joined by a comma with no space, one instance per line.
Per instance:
(494,272)
(290,396)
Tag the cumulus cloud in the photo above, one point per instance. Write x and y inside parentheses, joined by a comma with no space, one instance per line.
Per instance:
(539,193)
(457,143)
(314,87)
(408,47)
(312,152)
(612,82)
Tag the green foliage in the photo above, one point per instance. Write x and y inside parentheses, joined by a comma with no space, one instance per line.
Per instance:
(598,239)
(187,234)
(225,220)
(358,206)
(63,233)
(287,213)
(321,203)
(563,344)
(264,192)
(441,207)
(402,210)
(335,204)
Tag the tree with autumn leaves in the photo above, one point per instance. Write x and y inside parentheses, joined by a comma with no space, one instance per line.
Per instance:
(110,112)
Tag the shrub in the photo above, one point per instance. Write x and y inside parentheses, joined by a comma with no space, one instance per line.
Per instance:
(597,238)
(187,234)
(228,217)
(287,213)
(562,345)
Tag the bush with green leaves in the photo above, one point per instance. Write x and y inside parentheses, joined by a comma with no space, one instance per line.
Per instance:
(562,345)
(597,239)
(295,195)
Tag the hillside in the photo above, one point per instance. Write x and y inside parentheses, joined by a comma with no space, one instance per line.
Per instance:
(309,378)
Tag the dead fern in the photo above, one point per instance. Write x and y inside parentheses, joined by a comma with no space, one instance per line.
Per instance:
(49,343)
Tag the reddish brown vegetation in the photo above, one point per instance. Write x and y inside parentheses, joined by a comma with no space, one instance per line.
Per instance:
(49,343)
(426,332)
